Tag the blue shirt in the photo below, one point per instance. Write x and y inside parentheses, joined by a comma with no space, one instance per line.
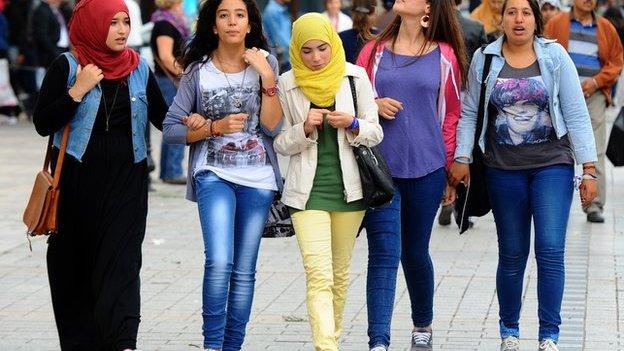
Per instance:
(277,25)
(583,48)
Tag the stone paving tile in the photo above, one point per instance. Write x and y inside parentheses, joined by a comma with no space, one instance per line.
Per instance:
(466,308)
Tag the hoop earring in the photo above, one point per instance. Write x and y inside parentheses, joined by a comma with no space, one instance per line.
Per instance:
(424,21)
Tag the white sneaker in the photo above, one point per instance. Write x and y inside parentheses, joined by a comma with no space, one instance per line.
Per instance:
(548,345)
(510,343)
(379,348)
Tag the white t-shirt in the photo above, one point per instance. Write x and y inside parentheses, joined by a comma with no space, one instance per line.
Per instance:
(344,22)
(240,157)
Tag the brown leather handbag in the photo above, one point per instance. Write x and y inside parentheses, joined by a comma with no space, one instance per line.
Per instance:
(41,211)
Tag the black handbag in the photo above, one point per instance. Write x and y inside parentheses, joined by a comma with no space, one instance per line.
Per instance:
(377,185)
(279,224)
(615,147)
(473,200)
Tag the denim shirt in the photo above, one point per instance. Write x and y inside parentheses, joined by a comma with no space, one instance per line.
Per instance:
(82,123)
(567,106)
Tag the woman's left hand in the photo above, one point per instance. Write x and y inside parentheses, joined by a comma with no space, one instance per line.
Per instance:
(450,194)
(588,190)
(257,59)
(194,121)
(339,119)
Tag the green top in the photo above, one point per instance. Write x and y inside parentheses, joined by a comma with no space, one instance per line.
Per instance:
(328,193)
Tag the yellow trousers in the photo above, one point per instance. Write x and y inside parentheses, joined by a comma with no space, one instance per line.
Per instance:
(326,242)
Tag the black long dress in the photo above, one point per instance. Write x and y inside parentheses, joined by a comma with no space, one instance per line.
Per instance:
(95,258)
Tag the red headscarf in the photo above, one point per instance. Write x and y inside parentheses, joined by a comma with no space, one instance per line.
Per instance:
(88,31)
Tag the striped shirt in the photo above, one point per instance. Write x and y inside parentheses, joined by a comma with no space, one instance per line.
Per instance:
(583,49)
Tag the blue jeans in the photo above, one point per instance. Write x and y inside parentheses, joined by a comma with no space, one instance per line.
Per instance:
(171,156)
(232,219)
(544,195)
(401,231)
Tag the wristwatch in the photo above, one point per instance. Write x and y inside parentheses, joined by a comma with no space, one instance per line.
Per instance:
(270,91)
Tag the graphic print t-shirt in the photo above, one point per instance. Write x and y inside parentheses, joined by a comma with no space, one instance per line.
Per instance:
(241,157)
(520,132)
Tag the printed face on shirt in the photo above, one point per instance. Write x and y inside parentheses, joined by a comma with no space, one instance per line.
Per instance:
(411,7)
(232,22)
(522,106)
(519,22)
(118,32)
(316,54)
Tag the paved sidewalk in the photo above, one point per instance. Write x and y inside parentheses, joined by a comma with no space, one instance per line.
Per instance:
(465,305)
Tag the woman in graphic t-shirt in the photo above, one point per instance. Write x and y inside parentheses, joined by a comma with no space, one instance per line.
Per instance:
(227,110)
(536,125)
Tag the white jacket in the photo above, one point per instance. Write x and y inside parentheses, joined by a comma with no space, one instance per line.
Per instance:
(302,150)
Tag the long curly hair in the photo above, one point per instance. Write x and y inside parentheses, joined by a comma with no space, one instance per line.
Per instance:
(205,41)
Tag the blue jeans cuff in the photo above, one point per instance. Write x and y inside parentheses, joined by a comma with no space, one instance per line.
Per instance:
(552,336)
(507,332)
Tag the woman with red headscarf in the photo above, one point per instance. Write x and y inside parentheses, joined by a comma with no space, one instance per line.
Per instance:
(107,94)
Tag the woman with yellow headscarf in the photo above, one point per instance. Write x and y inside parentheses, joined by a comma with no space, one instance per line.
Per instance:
(323,187)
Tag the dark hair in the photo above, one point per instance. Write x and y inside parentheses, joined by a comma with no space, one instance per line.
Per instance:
(205,41)
(443,27)
(361,15)
(537,14)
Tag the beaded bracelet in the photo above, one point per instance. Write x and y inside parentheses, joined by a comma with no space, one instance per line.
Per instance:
(213,132)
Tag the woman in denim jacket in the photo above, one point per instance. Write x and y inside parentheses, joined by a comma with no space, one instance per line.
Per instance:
(107,95)
(227,109)
(536,125)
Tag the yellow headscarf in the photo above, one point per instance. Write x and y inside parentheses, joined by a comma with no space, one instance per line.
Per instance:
(321,86)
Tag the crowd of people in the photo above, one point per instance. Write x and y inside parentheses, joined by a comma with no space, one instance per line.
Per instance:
(521,85)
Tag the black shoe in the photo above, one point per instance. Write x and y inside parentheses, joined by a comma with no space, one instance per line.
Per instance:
(595,217)
(175,181)
(445,215)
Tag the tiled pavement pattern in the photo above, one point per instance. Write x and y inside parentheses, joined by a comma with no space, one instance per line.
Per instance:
(465,305)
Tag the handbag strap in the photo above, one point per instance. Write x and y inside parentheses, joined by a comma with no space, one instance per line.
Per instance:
(353,94)
(61,156)
(481,110)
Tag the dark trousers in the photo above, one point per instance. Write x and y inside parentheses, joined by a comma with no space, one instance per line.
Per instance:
(397,232)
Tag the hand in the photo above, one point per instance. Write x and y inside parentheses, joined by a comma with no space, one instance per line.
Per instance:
(86,78)
(231,123)
(588,191)
(257,59)
(339,119)
(19,60)
(388,107)
(459,173)
(450,194)
(315,119)
(194,121)
(589,87)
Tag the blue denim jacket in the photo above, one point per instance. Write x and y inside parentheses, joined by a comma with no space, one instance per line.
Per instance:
(567,104)
(81,124)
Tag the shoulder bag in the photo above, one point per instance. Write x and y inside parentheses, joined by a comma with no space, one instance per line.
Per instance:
(377,185)
(40,215)
(472,199)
